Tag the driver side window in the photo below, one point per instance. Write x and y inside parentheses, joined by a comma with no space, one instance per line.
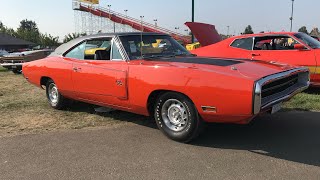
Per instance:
(274,43)
(95,49)
(77,52)
(116,55)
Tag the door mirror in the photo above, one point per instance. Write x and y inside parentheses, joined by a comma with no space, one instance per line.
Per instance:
(299,47)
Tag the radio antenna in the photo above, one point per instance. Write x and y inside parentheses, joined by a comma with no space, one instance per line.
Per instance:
(141,35)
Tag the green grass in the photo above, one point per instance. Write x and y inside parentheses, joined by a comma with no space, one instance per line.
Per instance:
(24,109)
(2,69)
(306,101)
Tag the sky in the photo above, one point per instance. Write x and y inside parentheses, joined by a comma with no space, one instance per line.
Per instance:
(56,17)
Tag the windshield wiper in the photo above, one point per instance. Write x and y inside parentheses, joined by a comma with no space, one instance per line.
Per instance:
(185,55)
(151,57)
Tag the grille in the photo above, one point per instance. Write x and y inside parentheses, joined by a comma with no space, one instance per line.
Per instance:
(279,85)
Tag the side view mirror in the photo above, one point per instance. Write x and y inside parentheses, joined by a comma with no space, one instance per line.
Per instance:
(299,47)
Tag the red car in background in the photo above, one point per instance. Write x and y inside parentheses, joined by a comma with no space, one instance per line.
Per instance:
(296,49)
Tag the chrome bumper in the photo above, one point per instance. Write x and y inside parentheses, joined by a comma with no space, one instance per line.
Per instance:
(10,64)
(302,84)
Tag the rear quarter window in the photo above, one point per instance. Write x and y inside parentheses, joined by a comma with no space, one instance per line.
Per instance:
(245,43)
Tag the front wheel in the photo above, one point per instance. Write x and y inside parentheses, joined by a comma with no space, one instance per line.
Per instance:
(177,117)
(55,99)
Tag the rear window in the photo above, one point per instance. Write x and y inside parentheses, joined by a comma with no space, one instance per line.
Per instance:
(245,43)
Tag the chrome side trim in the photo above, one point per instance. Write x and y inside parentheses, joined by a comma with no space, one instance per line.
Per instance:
(209,109)
(11,64)
(303,83)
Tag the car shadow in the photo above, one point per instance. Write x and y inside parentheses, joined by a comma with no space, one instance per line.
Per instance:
(114,114)
(288,135)
(313,91)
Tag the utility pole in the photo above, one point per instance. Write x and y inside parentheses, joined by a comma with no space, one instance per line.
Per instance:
(192,37)
(291,18)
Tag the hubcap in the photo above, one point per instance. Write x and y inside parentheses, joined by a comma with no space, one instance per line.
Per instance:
(53,93)
(174,115)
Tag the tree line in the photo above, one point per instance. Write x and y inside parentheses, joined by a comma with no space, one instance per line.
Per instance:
(313,32)
(28,30)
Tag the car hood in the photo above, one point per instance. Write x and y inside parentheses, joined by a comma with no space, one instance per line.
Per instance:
(205,33)
(249,69)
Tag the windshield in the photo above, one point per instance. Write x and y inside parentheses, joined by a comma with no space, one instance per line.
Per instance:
(152,46)
(313,43)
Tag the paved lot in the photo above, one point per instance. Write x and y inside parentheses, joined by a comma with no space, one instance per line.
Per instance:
(284,147)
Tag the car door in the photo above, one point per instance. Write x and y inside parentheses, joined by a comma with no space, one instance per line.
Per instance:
(100,75)
(281,49)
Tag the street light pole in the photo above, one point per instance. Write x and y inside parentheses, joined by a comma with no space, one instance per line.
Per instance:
(141,42)
(109,9)
(126,12)
(176,28)
(155,22)
(291,18)
(187,31)
(192,36)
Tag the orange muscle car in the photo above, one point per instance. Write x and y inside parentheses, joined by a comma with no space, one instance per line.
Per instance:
(180,90)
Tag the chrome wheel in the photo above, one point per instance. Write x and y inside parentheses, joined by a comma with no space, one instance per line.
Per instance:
(53,94)
(174,115)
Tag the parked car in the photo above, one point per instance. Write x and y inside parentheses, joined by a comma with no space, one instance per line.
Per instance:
(3,52)
(297,49)
(14,61)
(179,90)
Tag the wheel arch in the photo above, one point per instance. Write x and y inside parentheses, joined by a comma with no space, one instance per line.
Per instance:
(154,95)
(44,80)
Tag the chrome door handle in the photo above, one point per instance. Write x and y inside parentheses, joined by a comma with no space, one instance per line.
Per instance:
(76,69)
(253,54)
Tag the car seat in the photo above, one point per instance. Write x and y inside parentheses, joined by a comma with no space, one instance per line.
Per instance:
(102,55)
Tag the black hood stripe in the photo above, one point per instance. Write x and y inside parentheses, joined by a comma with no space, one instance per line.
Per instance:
(199,60)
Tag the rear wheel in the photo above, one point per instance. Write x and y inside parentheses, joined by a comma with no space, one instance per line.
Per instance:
(55,99)
(177,117)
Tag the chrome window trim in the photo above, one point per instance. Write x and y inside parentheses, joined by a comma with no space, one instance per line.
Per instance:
(122,50)
(257,101)
(114,42)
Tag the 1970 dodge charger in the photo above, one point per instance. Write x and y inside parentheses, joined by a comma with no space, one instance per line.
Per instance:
(181,91)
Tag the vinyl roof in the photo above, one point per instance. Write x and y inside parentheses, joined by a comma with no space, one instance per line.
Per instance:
(64,47)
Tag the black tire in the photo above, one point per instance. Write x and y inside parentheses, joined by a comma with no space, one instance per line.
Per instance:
(183,110)
(56,101)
